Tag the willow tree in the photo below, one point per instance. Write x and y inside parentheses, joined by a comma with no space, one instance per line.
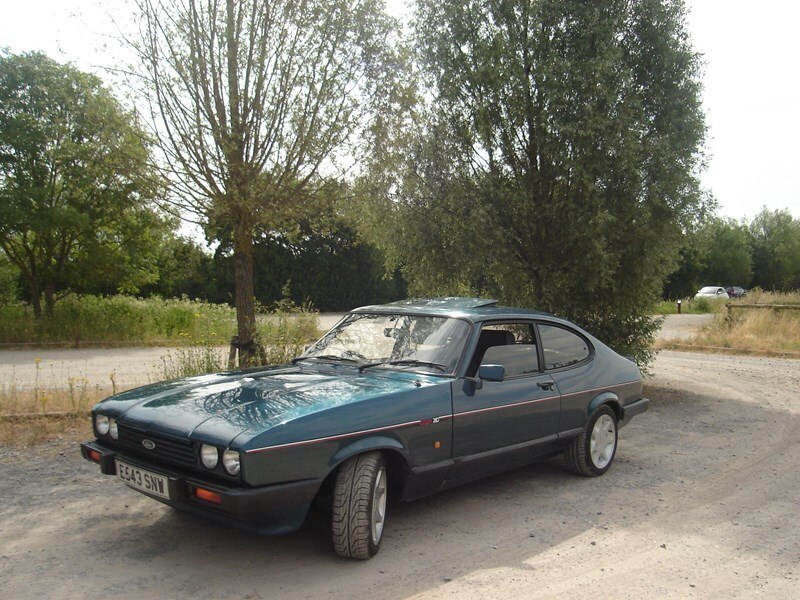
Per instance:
(256,103)
(556,160)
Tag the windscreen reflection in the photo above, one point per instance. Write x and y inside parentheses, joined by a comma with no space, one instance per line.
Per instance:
(419,343)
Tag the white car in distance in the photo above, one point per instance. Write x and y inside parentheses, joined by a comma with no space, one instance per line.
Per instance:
(712,291)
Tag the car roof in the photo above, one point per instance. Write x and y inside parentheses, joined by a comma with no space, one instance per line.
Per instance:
(474,309)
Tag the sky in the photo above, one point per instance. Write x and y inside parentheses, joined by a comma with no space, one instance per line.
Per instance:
(751,97)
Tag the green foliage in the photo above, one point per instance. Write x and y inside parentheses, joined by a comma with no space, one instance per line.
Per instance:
(75,182)
(764,253)
(119,319)
(333,269)
(185,269)
(694,307)
(729,256)
(285,334)
(555,166)
(776,250)
(8,280)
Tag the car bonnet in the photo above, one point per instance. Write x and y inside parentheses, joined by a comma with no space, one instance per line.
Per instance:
(217,408)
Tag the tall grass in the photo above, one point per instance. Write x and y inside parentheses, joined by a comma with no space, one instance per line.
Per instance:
(282,335)
(695,307)
(78,320)
(761,330)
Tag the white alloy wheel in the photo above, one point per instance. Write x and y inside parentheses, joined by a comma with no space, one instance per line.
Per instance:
(590,454)
(603,441)
(378,506)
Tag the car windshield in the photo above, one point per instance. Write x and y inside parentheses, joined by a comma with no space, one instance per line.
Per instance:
(708,290)
(398,341)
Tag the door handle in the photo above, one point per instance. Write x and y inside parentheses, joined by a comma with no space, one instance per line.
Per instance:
(545,385)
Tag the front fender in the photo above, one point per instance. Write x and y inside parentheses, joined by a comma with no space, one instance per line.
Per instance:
(369,444)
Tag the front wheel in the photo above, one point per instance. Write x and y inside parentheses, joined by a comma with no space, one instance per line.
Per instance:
(359,506)
(592,452)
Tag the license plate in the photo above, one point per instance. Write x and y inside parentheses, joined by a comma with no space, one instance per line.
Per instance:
(143,480)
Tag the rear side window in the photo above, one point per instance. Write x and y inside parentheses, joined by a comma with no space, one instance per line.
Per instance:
(562,347)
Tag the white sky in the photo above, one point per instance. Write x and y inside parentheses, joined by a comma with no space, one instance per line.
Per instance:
(751,96)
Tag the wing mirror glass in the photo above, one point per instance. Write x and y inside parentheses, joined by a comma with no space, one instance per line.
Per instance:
(491,372)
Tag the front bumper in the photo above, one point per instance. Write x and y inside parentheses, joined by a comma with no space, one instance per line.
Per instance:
(631,410)
(271,509)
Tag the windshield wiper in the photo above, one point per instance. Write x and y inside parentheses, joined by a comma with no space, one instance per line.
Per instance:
(333,357)
(406,361)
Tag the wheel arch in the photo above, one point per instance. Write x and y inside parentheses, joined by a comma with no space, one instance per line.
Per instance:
(605,398)
(395,454)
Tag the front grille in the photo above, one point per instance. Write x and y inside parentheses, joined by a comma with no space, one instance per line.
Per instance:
(166,450)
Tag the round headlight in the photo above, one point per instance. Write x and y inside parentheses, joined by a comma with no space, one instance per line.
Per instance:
(112,429)
(101,424)
(230,460)
(209,455)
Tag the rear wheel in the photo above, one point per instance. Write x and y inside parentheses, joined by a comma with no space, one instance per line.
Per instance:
(359,506)
(592,452)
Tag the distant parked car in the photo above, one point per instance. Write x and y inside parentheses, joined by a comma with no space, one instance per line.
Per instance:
(711,291)
(735,291)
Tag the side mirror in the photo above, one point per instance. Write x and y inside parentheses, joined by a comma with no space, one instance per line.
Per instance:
(491,372)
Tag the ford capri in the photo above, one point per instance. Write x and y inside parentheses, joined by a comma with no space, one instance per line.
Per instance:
(402,400)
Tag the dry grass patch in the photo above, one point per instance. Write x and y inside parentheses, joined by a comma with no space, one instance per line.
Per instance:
(33,430)
(75,397)
(756,330)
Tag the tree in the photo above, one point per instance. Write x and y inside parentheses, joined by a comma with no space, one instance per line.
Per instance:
(255,101)
(8,280)
(728,260)
(556,166)
(75,181)
(776,250)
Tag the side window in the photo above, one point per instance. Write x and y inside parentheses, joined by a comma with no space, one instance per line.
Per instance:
(512,345)
(562,347)
(519,359)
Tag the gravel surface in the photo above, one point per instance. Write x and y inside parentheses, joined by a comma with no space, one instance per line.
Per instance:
(702,502)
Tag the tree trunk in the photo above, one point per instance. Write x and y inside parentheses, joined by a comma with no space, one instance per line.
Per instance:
(245,298)
(36,297)
(49,298)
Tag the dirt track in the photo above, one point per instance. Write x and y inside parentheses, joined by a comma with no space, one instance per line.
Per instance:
(701,502)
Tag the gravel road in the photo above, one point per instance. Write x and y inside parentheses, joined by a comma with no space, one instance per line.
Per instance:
(702,502)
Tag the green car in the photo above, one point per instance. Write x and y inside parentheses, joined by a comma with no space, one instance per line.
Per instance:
(401,400)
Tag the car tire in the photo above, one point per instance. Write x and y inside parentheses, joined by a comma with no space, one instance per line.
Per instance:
(593,451)
(359,506)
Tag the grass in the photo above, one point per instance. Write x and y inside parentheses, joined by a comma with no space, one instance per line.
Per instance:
(762,331)
(283,336)
(694,307)
(33,416)
(34,430)
(80,320)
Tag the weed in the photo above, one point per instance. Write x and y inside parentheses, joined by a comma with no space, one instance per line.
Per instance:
(194,360)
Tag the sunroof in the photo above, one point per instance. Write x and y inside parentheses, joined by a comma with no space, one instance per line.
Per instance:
(454,303)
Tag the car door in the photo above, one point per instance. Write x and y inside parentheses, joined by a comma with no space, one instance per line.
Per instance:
(494,418)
